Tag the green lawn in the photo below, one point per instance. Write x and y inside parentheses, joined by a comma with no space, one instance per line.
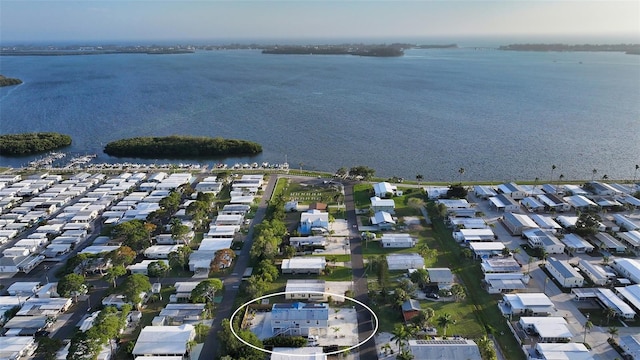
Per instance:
(338,273)
(483,306)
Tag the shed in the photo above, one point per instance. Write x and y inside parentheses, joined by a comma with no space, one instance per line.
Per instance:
(410,309)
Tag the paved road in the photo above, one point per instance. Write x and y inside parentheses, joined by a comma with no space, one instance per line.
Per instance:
(366,324)
(211,348)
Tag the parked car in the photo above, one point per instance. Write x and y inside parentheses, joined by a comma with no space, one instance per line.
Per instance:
(433,296)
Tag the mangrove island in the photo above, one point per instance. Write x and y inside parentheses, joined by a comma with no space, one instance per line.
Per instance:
(5,81)
(31,143)
(180,147)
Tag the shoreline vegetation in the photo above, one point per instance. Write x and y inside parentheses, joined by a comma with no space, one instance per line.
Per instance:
(32,143)
(392,50)
(632,49)
(5,81)
(180,147)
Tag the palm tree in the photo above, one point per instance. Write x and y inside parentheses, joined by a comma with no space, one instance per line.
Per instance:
(593,173)
(553,168)
(605,177)
(587,326)
(458,292)
(535,184)
(461,172)
(445,320)
(561,177)
(635,173)
(400,335)
(405,355)
(419,178)
(609,313)
(613,331)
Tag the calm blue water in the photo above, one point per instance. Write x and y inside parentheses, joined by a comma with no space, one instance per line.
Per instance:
(500,115)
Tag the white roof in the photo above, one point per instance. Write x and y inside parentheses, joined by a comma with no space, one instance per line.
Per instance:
(215,244)
(579,201)
(545,222)
(97,249)
(25,286)
(12,346)
(528,299)
(632,237)
(563,351)
(144,264)
(454,203)
(631,293)
(302,285)
(520,219)
(307,262)
(610,299)
(313,353)
(376,201)
(410,261)
(548,327)
(381,217)
(383,187)
(486,246)
(625,222)
(452,348)
(161,340)
(631,266)
(567,221)
(576,242)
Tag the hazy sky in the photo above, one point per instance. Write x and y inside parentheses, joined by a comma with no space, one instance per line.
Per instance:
(36,21)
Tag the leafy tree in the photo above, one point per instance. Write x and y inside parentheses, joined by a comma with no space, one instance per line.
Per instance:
(114,273)
(289,251)
(205,291)
(179,231)
(587,326)
(457,191)
(423,317)
(157,269)
(419,178)
(47,347)
(267,270)
(124,256)
(179,259)
(256,286)
(407,286)
(420,277)
(415,203)
(232,347)
(587,224)
(30,143)
(83,347)
(458,292)
(365,172)
(133,286)
(342,172)
(133,234)
(71,285)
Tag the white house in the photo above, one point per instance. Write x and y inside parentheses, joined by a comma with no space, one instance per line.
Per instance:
(16,347)
(164,340)
(630,344)
(304,265)
(474,235)
(296,319)
(564,273)
(553,351)
(142,267)
(517,223)
(596,272)
(512,190)
(609,243)
(545,240)
(378,204)
(500,265)
(301,353)
(484,191)
(580,202)
(383,220)
(629,268)
(626,223)
(502,202)
(405,261)
(546,222)
(552,329)
(631,239)
(576,244)
(302,289)
(497,283)
(631,295)
(443,277)
(384,190)
(229,220)
(397,241)
(532,204)
(453,348)
(530,304)
(486,249)
(160,251)
(553,202)
(300,241)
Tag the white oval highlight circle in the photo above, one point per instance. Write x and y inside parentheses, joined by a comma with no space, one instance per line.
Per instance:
(375,330)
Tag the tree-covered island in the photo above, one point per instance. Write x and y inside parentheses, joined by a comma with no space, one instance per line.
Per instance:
(180,147)
(5,81)
(31,143)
